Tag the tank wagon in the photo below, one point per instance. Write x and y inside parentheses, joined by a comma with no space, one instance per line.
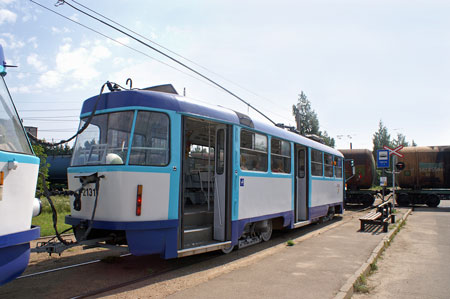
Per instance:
(426,176)
(18,176)
(358,186)
(171,176)
(57,171)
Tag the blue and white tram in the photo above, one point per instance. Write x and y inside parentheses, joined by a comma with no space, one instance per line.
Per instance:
(18,176)
(178,177)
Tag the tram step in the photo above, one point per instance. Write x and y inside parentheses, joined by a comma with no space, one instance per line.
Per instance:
(197,235)
(198,218)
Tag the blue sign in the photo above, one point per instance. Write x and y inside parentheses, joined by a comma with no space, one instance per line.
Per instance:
(382,158)
(241,181)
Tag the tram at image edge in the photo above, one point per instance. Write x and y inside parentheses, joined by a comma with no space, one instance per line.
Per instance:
(18,176)
(172,176)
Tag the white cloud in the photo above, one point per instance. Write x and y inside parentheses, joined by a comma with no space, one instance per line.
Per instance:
(33,42)
(10,41)
(123,40)
(7,16)
(20,89)
(57,30)
(33,59)
(75,64)
(50,79)
(74,17)
(6,2)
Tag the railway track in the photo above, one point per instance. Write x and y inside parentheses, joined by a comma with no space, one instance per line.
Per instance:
(100,276)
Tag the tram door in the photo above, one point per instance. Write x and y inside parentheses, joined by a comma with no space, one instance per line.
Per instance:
(301,209)
(220,177)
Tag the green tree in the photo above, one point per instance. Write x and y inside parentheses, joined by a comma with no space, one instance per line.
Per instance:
(400,140)
(381,138)
(307,121)
(43,166)
(305,116)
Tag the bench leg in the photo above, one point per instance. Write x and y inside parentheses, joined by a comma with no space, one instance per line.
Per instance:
(393,219)
(362,226)
(385,227)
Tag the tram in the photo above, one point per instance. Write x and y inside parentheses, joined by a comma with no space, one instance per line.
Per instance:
(18,176)
(172,176)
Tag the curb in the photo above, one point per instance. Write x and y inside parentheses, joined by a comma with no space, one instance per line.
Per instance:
(346,291)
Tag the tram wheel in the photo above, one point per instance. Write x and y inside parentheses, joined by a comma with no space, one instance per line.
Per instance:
(227,250)
(433,200)
(265,236)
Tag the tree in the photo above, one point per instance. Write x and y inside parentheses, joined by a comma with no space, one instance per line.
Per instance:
(401,140)
(307,121)
(43,166)
(305,117)
(381,138)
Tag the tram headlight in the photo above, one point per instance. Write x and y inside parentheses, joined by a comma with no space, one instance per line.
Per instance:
(37,207)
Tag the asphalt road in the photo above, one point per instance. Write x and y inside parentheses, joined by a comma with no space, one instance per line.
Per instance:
(417,263)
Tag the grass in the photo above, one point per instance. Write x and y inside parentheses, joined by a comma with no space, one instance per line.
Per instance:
(361,286)
(290,243)
(45,220)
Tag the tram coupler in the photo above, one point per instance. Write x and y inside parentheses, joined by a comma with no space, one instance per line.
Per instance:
(52,247)
(59,247)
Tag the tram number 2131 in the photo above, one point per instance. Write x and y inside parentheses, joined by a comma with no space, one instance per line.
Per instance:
(89,192)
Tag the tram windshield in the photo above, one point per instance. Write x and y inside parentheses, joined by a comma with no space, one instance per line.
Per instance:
(12,135)
(105,140)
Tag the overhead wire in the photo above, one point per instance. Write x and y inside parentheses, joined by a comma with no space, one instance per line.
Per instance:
(175,53)
(116,41)
(61,2)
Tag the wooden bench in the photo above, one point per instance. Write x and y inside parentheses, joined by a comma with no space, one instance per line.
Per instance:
(380,217)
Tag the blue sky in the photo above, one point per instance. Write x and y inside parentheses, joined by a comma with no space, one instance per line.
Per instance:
(357,61)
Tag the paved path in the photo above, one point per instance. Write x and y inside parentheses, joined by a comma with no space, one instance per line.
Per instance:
(315,268)
(417,264)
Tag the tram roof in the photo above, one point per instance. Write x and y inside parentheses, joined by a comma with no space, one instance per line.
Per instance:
(166,101)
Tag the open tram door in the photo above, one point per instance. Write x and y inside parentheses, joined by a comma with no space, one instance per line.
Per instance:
(205,201)
(301,183)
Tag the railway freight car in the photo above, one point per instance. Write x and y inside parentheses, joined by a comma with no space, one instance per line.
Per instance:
(172,176)
(358,186)
(18,176)
(57,171)
(426,175)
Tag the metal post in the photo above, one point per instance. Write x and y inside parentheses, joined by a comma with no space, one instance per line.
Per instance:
(394,158)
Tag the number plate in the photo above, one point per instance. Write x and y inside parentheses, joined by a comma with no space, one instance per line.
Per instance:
(89,191)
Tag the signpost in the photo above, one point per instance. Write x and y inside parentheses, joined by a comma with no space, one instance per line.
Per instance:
(383,158)
(395,153)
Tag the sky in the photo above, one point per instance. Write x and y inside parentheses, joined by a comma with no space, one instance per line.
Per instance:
(359,62)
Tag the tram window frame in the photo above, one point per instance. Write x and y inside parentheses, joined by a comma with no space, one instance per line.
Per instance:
(253,153)
(337,167)
(220,154)
(280,156)
(166,146)
(316,164)
(328,165)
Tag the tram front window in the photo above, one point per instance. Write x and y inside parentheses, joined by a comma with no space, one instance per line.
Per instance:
(12,135)
(105,140)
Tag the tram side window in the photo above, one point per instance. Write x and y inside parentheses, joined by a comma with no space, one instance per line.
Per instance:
(328,159)
(338,167)
(316,163)
(280,155)
(150,144)
(253,151)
